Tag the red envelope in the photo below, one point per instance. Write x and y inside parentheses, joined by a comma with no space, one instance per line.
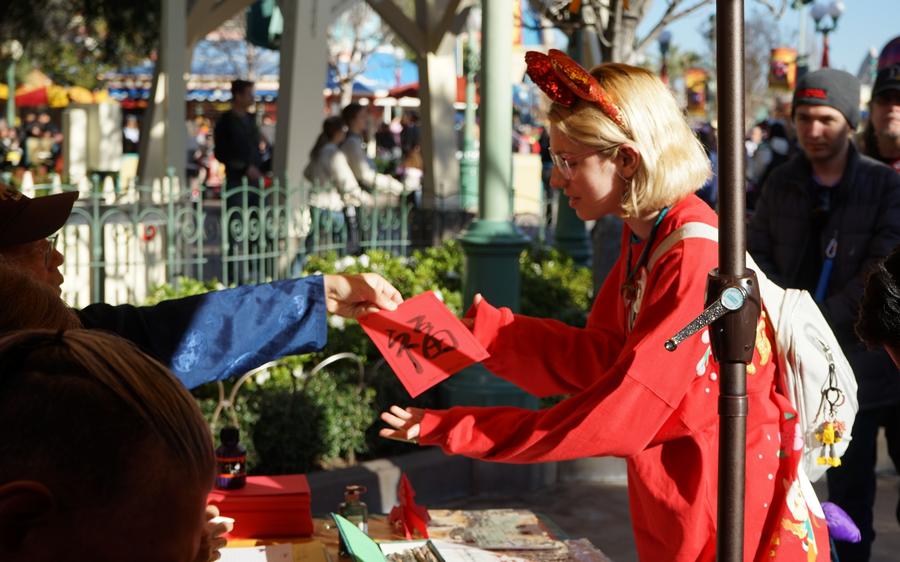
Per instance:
(423,342)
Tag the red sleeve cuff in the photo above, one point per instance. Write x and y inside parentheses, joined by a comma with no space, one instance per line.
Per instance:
(430,421)
(488,321)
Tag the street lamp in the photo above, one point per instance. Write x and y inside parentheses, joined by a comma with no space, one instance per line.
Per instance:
(819,12)
(13,50)
(664,39)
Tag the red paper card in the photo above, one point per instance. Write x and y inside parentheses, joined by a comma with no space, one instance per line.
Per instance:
(423,342)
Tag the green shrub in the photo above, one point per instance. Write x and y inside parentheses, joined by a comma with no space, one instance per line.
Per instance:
(553,286)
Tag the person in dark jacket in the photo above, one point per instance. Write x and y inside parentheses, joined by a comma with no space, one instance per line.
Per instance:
(823,220)
(201,338)
(237,138)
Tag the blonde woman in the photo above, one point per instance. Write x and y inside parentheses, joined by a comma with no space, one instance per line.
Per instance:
(620,146)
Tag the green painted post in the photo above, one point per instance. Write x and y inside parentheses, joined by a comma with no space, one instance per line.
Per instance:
(468,164)
(492,244)
(571,235)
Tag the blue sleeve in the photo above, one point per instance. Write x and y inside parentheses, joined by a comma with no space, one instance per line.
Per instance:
(225,333)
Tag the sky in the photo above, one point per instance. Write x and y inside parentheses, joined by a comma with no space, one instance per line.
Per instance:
(864,24)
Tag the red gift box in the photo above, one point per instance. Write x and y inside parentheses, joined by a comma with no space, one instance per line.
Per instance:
(268,506)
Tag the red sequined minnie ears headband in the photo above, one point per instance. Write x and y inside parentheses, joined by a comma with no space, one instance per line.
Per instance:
(562,79)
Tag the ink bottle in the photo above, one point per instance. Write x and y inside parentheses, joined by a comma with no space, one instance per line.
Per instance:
(231,460)
(354,511)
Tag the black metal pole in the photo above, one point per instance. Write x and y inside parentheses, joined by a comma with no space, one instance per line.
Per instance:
(732,246)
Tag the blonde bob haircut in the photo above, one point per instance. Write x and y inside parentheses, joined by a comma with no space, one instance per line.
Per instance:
(673,163)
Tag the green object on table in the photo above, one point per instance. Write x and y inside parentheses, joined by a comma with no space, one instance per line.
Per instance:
(359,545)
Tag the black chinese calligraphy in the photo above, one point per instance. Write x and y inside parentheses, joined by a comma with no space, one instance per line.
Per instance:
(432,343)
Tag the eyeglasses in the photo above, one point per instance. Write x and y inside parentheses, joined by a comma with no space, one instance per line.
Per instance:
(51,246)
(566,164)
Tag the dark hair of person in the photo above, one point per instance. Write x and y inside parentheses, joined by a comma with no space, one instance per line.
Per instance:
(330,127)
(879,312)
(349,113)
(867,142)
(238,86)
(85,413)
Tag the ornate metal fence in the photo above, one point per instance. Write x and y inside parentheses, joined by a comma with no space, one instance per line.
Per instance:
(119,244)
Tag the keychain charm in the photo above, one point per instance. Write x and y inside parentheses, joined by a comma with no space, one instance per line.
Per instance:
(828,434)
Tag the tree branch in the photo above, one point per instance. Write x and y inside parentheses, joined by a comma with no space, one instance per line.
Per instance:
(668,17)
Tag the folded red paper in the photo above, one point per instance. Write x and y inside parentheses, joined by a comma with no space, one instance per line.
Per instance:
(408,518)
(268,506)
(422,341)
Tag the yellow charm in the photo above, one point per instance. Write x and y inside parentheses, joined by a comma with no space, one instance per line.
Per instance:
(763,345)
(828,434)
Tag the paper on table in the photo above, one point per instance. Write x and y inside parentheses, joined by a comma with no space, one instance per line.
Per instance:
(455,552)
(312,551)
(423,342)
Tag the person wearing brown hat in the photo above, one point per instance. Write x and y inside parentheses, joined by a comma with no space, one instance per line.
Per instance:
(205,337)
(881,136)
(824,219)
(28,229)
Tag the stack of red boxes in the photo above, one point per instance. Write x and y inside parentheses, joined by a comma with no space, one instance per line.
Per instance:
(268,506)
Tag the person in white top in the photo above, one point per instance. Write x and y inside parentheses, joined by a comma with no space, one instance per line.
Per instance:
(354,149)
(335,187)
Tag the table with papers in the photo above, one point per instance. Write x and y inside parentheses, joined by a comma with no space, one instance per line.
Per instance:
(494,535)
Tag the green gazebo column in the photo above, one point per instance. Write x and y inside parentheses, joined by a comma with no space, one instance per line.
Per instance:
(571,235)
(492,244)
(468,164)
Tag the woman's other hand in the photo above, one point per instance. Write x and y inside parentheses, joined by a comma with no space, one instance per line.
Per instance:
(404,424)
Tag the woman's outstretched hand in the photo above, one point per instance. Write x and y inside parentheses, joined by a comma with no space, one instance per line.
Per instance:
(404,424)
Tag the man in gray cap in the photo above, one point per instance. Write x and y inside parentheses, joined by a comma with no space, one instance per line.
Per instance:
(824,219)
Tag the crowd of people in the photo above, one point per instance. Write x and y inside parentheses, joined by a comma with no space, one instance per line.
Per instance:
(33,144)
(825,219)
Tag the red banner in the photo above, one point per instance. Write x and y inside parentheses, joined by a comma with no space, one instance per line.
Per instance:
(783,69)
(695,88)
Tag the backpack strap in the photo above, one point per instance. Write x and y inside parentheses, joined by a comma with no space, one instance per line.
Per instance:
(772,294)
(687,230)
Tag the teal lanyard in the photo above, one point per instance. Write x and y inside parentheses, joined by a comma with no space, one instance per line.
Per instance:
(827,266)
(628,287)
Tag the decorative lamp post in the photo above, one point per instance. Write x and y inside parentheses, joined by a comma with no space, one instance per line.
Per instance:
(12,50)
(468,163)
(664,40)
(819,12)
(492,243)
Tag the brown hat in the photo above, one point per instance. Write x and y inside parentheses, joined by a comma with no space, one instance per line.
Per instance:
(23,219)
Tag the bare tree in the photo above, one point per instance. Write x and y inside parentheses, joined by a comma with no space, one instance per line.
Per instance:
(352,40)
(760,37)
(616,21)
(229,47)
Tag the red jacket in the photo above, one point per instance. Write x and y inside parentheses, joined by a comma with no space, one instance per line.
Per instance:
(631,398)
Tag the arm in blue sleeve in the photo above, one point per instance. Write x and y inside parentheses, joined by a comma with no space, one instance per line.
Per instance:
(221,334)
